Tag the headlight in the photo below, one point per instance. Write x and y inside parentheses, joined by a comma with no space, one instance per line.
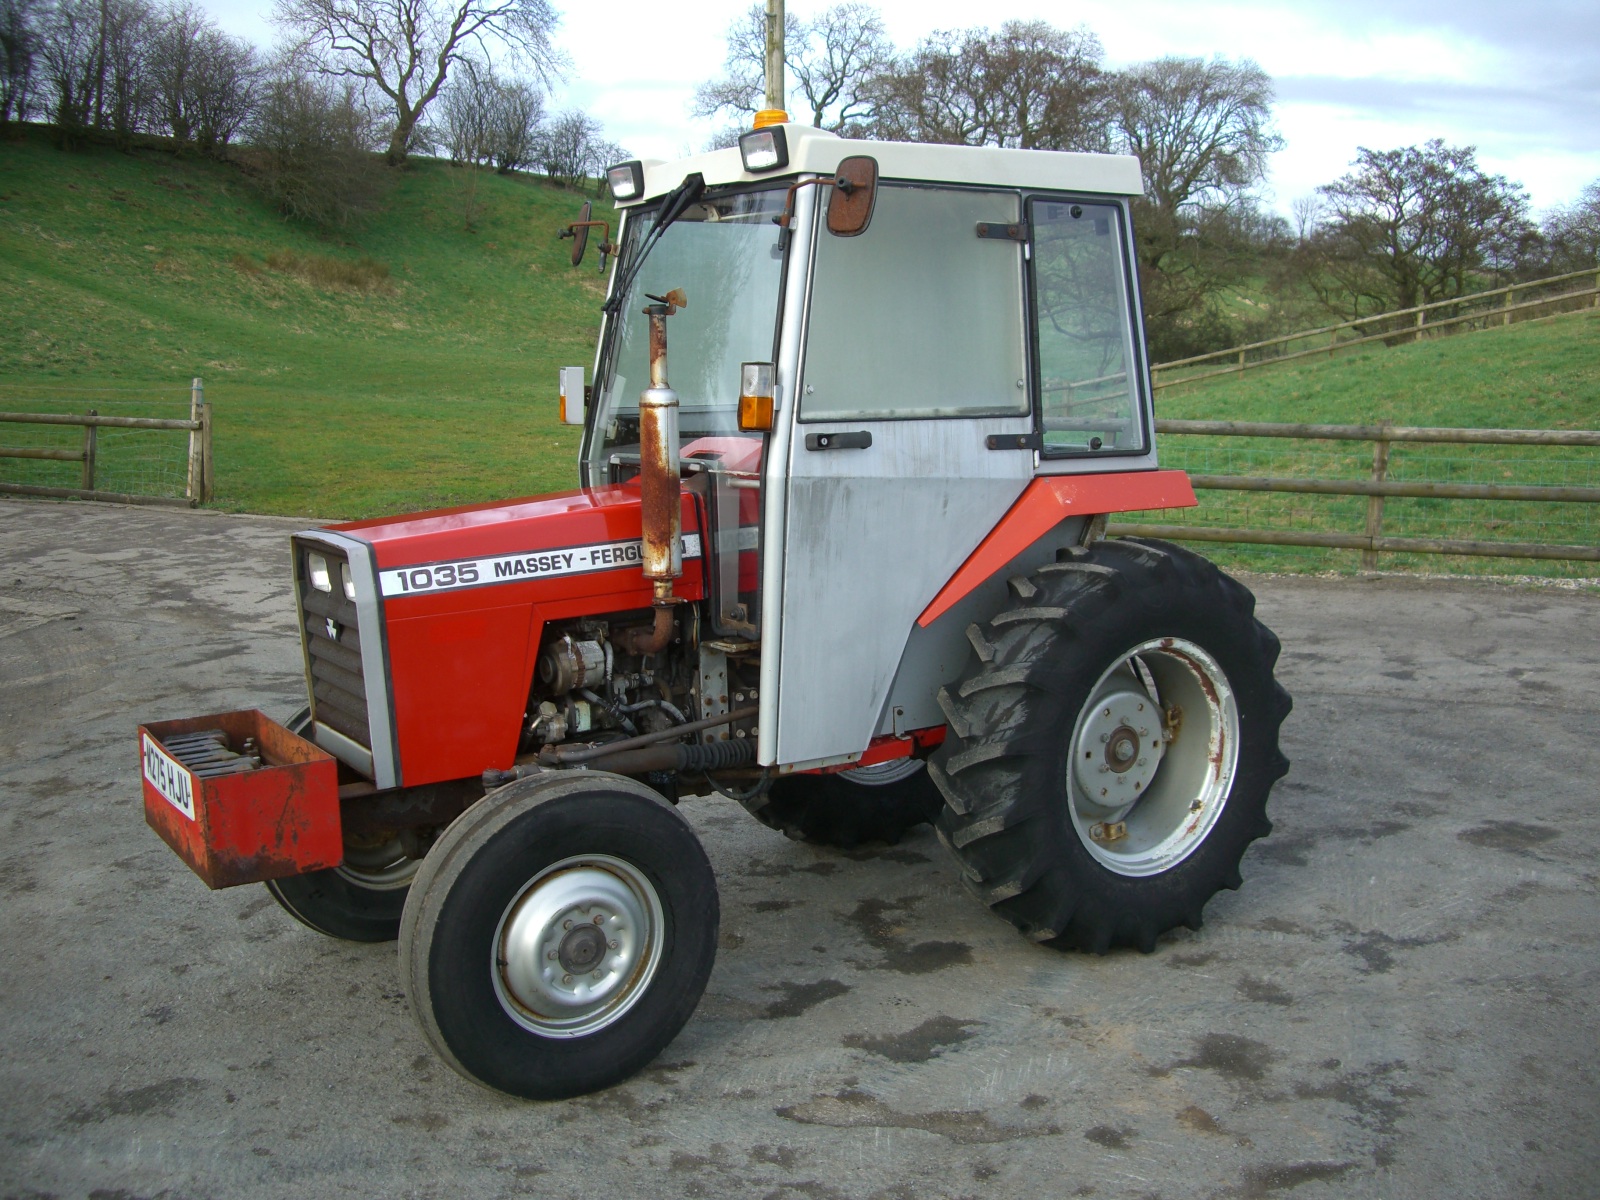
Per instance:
(764,149)
(626,180)
(349,584)
(317,568)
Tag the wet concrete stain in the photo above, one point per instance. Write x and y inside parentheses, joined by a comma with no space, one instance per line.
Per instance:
(852,1108)
(762,869)
(1373,948)
(427,1122)
(1198,959)
(872,918)
(1376,1095)
(1260,991)
(1261,1181)
(1227,1054)
(1111,1137)
(766,906)
(776,1156)
(1514,837)
(917,1045)
(153,1098)
(1290,849)
(798,997)
(909,858)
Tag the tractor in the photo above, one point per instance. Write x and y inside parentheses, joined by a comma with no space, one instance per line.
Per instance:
(840,557)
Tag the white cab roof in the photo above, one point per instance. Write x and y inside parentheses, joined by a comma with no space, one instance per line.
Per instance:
(815,151)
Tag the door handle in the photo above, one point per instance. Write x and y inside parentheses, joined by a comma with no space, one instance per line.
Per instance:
(858,440)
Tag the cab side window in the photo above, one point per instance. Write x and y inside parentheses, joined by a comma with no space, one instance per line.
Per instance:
(1088,368)
(918,316)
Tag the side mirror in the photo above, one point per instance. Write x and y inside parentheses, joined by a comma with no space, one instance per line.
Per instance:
(580,233)
(855,189)
(573,396)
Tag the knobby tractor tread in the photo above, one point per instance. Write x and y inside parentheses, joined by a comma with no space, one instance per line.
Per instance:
(1003,770)
(831,810)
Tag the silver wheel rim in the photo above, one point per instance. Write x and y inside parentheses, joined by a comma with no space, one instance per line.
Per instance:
(1152,757)
(379,867)
(577,946)
(879,774)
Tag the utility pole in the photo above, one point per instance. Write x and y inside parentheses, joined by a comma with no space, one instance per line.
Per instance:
(775,89)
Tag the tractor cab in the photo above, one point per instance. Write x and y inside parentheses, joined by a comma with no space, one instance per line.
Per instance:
(950,325)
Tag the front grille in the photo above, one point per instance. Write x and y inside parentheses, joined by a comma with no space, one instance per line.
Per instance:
(333,654)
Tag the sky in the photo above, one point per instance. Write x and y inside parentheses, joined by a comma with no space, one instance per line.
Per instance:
(1519,82)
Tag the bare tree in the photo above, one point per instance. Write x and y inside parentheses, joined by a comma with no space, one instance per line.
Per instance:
(19,44)
(1416,225)
(1572,232)
(311,141)
(516,120)
(405,49)
(833,59)
(203,81)
(1202,131)
(94,66)
(1029,85)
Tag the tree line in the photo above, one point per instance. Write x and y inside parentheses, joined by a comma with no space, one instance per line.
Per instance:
(464,77)
(1403,227)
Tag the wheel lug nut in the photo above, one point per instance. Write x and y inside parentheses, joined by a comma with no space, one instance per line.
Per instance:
(599,918)
(566,924)
(597,975)
(613,943)
(566,979)
(551,955)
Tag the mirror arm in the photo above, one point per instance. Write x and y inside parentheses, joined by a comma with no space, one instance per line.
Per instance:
(782,219)
(605,246)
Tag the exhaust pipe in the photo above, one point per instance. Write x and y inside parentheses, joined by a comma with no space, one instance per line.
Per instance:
(661,491)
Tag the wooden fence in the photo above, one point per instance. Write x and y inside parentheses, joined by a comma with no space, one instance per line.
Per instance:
(1497,307)
(200,479)
(1377,488)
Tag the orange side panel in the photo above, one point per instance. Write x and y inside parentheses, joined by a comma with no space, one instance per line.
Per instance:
(1045,504)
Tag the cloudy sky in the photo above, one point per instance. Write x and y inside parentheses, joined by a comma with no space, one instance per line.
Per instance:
(1520,82)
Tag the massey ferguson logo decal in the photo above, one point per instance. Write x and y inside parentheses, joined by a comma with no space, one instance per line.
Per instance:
(519,568)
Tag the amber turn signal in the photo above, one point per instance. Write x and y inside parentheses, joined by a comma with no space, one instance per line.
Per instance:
(756,382)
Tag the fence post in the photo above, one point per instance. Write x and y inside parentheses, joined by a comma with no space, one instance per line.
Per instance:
(1380,471)
(90,446)
(1419,325)
(1510,293)
(207,473)
(197,477)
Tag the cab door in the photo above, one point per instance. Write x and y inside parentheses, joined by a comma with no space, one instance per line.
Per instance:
(912,436)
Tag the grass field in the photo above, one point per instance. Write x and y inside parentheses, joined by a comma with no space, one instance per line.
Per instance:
(401,365)
(412,363)
(1538,375)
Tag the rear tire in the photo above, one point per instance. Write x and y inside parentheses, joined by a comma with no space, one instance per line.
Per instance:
(1080,813)
(559,934)
(846,809)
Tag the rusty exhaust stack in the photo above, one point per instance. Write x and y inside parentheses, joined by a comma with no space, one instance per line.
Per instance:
(661,494)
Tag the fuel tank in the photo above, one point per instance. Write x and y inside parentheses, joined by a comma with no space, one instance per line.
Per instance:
(421,632)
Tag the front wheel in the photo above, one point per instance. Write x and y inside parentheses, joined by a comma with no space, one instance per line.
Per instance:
(559,934)
(1114,745)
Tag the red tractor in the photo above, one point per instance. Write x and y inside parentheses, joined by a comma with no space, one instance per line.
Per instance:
(847,568)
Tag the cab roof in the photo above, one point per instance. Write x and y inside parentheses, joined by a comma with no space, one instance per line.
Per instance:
(815,151)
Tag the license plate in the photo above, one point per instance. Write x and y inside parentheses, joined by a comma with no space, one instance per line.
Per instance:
(169,777)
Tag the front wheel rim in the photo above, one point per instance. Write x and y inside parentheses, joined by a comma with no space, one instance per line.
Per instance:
(577,946)
(1144,793)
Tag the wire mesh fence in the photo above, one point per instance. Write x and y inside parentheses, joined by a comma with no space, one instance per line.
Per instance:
(147,463)
(1514,523)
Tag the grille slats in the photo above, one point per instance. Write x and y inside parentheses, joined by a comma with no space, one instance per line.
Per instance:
(338,685)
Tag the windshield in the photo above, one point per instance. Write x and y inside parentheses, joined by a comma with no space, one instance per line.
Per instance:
(723,254)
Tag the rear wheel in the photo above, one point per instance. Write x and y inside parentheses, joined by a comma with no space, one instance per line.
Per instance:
(559,934)
(1113,746)
(879,803)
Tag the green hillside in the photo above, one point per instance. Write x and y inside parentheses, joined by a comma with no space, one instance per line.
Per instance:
(404,364)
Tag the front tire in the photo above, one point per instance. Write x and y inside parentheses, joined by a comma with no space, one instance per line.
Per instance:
(559,934)
(1113,747)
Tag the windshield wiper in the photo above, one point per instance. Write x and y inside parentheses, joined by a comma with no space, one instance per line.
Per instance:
(677,203)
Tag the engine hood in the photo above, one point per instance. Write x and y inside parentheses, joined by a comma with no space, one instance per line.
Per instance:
(586,532)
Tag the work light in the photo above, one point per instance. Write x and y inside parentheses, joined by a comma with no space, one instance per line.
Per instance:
(764,149)
(626,180)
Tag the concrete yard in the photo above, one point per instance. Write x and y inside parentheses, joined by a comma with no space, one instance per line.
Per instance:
(1401,1001)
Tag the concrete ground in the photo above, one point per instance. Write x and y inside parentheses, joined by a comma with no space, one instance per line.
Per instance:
(1401,1001)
